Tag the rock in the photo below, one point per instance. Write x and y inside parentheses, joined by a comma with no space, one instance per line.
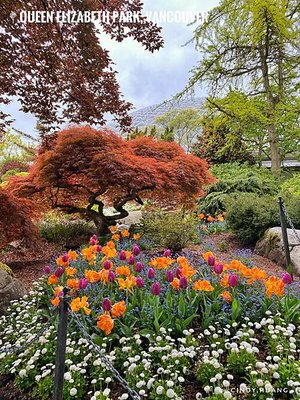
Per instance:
(271,246)
(133,218)
(10,289)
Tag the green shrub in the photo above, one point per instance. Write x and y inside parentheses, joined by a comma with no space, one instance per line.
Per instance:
(61,229)
(292,204)
(173,230)
(291,186)
(249,216)
(235,178)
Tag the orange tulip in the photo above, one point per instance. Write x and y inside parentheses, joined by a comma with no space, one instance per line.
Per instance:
(203,286)
(226,295)
(52,280)
(125,233)
(115,237)
(71,271)
(118,309)
(105,323)
(55,302)
(123,270)
(175,284)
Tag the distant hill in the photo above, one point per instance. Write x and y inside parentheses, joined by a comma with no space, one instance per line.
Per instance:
(146,116)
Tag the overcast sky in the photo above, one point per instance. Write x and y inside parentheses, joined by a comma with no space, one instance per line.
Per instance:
(146,78)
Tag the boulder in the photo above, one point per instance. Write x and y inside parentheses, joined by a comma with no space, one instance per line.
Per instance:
(271,246)
(10,289)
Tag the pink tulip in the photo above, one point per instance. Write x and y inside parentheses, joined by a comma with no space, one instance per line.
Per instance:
(183,282)
(82,284)
(155,288)
(106,304)
(233,280)
(59,271)
(65,258)
(211,261)
(107,264)
(151,273)
(167,253)
(131,260)
(47,269)
(136,250)
(140,282)
(99,248)
(111,276)
(286,278)
(122,255)
(169,275)
(218,268)
(178,272)
(138,267)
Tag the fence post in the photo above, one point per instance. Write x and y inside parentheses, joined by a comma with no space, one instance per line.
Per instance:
(284,233)
(61,347)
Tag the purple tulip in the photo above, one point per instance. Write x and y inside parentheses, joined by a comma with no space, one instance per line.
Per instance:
(131,260)
(286,278)
(111,276)
(169,275)
(167,253)
(122,255)
(183,282)
(151,273)
(218,268)
(138,267)
(155,288)
(136,250)
(140,282)
(82,284)
(211,261)
(106,304)
(178,272)
(65,258)
(94,237)
(59,271)
(93,242)
(106,264)
(47,269)
(99,248)
(233,280)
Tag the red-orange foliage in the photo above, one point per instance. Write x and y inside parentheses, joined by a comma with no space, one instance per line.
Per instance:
(61,71)
(14,221)
(87,168)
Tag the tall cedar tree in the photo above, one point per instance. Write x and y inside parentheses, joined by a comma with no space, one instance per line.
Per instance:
(61,72)
(15,223)
(89,169)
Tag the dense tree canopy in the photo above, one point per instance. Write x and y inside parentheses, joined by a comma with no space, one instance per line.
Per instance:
(60,71)
(88,169)
(252,46)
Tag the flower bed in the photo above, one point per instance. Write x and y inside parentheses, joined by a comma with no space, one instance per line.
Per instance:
(172,327)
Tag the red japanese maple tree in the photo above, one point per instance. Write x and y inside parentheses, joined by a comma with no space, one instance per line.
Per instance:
(60,71)
(15,223)
(87,169)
